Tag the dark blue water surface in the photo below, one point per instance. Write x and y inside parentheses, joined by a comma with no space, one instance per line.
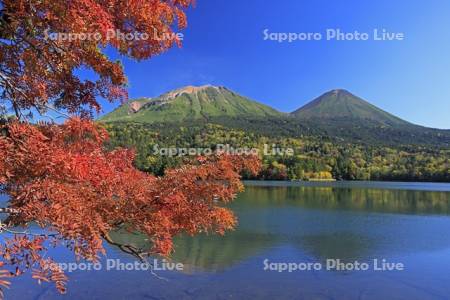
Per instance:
(405,223)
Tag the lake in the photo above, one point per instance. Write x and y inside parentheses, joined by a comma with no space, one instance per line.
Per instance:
(301,224)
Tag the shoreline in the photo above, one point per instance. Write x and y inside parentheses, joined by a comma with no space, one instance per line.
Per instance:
(389,185)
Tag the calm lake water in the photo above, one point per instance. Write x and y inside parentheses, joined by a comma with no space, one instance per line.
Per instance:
(407,223)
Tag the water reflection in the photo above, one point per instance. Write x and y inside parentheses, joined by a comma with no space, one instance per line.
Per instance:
(320,222)
(359,199)
(347,247)
(290,223)
(214,253)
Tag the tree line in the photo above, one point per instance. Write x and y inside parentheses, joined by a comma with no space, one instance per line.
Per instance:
(314,157)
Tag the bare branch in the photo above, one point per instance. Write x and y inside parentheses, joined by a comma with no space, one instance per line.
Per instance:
(130,249)
(8,210)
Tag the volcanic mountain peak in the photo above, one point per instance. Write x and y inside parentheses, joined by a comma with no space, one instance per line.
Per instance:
(337,114)
(191,103)
(190,89)
(341,104)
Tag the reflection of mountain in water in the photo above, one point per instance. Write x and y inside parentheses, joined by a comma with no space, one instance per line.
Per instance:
(216,253)
(207,252)
(347,247)
(321,222)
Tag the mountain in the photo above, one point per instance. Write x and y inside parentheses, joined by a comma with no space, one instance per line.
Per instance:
(191,103)
(337,115)
(342,105)
(345,116)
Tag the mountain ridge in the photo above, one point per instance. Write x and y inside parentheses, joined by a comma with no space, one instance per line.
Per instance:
(336,113)
(340,103)
(189,103)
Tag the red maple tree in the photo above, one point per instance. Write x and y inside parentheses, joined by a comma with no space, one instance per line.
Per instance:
(61,177)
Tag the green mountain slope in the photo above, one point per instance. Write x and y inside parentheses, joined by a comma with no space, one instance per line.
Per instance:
(341,104)
(191,103)
(337,114)
(347,117)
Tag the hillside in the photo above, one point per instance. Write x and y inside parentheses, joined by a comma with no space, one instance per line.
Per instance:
(336,136)
(191,103)
(337,115)
(343,115)
(341,104)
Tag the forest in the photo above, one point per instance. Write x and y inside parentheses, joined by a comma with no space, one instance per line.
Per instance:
(315,157)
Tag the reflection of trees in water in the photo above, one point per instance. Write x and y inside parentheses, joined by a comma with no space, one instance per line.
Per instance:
(216,253)
(347,247)
(135,239)
(206,252)
(372,200)
(276,216)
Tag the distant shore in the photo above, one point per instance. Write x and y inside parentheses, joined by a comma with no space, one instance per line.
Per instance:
(417,186)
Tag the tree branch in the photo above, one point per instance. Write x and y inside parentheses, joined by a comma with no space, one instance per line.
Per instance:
(130,249)
(8,210)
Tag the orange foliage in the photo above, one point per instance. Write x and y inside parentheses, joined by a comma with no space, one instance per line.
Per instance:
(62,178)
(37,69)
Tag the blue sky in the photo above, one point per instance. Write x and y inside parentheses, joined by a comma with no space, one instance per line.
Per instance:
(224,45)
